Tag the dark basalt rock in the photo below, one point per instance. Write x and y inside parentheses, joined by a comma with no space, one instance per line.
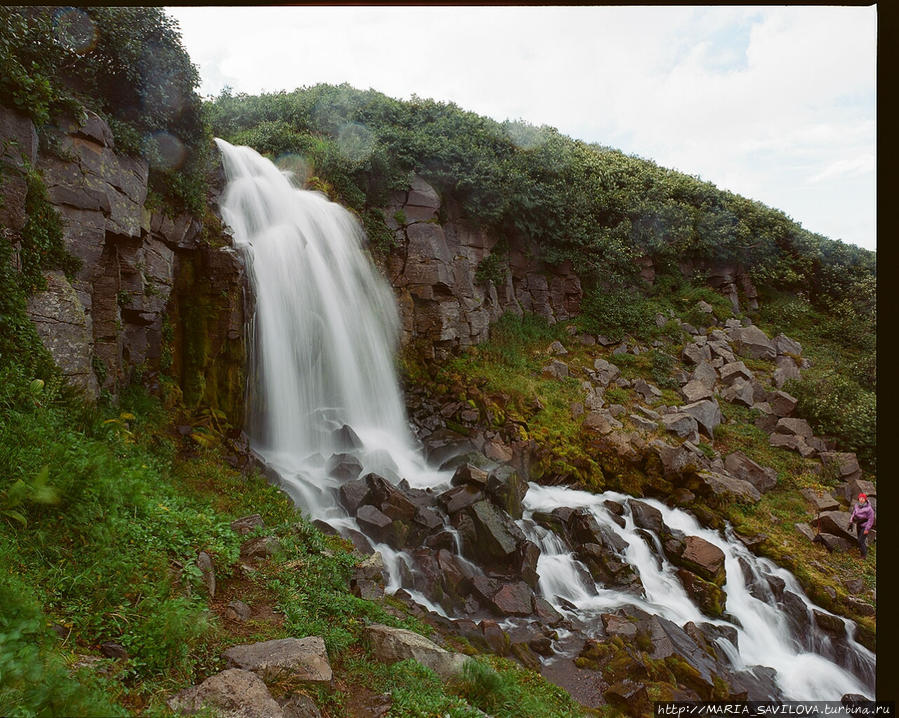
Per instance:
(507,489)
(344,467)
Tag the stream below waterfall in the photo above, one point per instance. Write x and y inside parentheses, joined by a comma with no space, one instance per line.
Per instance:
(326,413)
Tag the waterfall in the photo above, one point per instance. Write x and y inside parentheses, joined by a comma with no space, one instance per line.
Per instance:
(325,331)
(326,406)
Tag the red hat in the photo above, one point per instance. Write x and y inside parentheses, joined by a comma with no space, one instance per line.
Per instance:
(862,496)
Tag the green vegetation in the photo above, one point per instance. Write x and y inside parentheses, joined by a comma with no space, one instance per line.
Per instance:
(125,63)
(565,199)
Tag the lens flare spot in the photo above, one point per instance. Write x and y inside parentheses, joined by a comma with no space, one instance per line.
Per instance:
(74,30)
(296,167)
(167,152)
(355,142)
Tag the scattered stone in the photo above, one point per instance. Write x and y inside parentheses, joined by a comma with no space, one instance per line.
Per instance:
(299,705)
(838,524)
(854,585)
(600,422)
(557,348)
(113,650)
(696,354)
(707,414)
(733,371)
(752,342)
(235,693)
(302,660)
(396,644)
(246,524)
(739,392)
(728,488)
(793,442)
(237,611)
(643,423)
(260,547)
(833,543)
(606,372)
(846,463)
(646,390)
(784,345)
(696,390)
(556,370)
(798,427)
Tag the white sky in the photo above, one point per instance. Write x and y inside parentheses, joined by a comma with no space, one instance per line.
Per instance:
(774,103)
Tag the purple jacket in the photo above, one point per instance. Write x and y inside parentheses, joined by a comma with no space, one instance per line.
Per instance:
(863,512)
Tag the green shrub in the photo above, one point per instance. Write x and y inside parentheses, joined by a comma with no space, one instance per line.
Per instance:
(617,313)
(838,407)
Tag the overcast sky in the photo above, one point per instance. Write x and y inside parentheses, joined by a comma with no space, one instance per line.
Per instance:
(774,103)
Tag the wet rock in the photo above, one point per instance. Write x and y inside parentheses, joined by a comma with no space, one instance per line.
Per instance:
(507,489)
(375,523)
(512,599)
(546,612)
(302,660)
(460,497)
(796,611)
(704,559)
(709,597)
(829,623)
(345,439)
(489,536)
(354,493)
(646,516)
(246,524)
(344,467)
(390,645)
(526,656)
(234,693)
(496,639)
(615,625)
(470,474)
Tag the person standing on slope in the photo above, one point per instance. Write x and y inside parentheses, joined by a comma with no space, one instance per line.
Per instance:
(863,517)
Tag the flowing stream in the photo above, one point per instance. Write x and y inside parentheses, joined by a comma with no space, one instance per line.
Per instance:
(324,391)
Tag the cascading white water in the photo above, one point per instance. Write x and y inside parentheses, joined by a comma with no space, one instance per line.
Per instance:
(326,329)
(764,634)
(322,375)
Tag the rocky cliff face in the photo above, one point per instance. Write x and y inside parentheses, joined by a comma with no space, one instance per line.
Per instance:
(154,293)
(434,274)
(445,303)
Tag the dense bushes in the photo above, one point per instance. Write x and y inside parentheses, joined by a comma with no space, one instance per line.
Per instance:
(570,200)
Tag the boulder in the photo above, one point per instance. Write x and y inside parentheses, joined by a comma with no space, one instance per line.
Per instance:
(792,442)
(555,370)
(233,693)
(507,490)
(798,427)
(696,354)
(820,500)
(682,424)
(784,345)
(606,372)
(742,467)
(557,349)
(696,390)
(630,697)
(489,535)
(390,645)
(739,392)
(643,423)
(733,371)
(601,422)
(470,474)
(785,371)
(833,543)
(782,404)
(647,517)
(354,494)
(707,414)
(207,570)
(728,488)
(237,611)
(646,390)
(246,524)
(260,547)
(838,524)
(294,660)
(460,497)
(375,523)
(344,467)
(752,342)
(845,464)
(806,531)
